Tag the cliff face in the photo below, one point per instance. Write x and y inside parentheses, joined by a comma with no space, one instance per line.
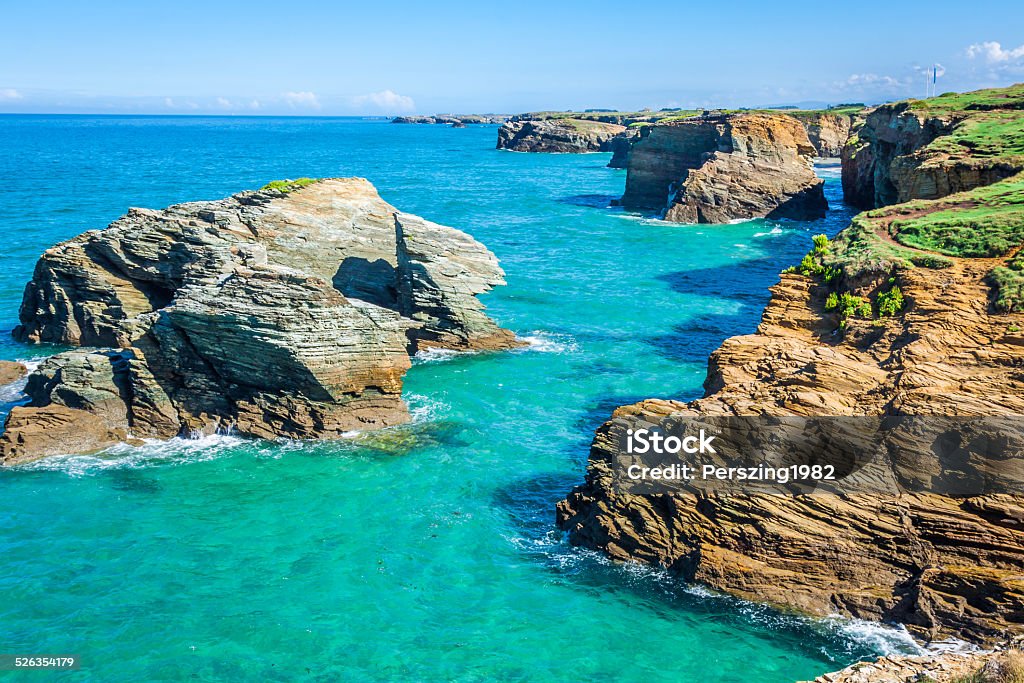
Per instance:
(932,148)
(717,169)
(284,312)
(828,132)
(943,566)
(456,120)
(557,135)
(902,314)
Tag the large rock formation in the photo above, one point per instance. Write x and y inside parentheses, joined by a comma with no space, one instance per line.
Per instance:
(827,132)
(620,145)
(926,149)
(715,169)
(563,135)
(457,120)
(285,312)
(874,324)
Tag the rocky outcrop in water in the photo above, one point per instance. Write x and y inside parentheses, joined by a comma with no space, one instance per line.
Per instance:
(943,566)
(619,146)
(564,135)
(869,325)
(11,372)
(455,120)
(288,312)
(715,169)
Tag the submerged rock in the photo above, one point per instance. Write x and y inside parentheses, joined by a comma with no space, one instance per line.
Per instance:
(11,371)
(284,312)
(715,169)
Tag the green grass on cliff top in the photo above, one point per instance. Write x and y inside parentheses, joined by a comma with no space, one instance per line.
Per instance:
(985,135)
(1008,284)
(986,222)
(289,185)
(982,223)
(1011,97)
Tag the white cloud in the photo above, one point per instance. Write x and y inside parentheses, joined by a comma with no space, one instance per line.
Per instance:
(255,104)
(993,53)
(856,80)
(303,99)
(385,102)
(224,103)
(170,103)
(10,94)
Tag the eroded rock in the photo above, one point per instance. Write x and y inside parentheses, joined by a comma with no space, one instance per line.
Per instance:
(715,169)
(273,313)
(565,135)
(11,372)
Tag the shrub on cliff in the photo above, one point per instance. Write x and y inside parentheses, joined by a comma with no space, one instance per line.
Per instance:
(891,302)
(289,185)
(1008,283)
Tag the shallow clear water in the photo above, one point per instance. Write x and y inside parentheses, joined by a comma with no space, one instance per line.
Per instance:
(422,553)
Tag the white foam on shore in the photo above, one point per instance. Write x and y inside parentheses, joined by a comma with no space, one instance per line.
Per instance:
(151,452)
(771,233)
(883,639)
(15,391)
(424,408)
(548,342)
(436,355)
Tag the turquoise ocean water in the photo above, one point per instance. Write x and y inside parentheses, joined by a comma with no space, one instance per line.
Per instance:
(426,552)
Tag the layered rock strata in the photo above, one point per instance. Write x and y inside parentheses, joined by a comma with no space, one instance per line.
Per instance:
(927,149)
(716,169)
(277,313)
(827,132)
(872,324)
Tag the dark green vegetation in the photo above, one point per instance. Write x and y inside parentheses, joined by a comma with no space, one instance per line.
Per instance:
(982,223)
(289,185)
(990,99)
(985,132)
(1008,283)
(817,263)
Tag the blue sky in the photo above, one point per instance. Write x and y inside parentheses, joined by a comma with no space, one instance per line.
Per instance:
(392,56)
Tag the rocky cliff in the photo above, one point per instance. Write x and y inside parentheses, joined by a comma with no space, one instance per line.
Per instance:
(827,132)
(452,119)
(291,311)
(909,311)
(1004,665)
(564,135)
(926,149)
(715,169)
